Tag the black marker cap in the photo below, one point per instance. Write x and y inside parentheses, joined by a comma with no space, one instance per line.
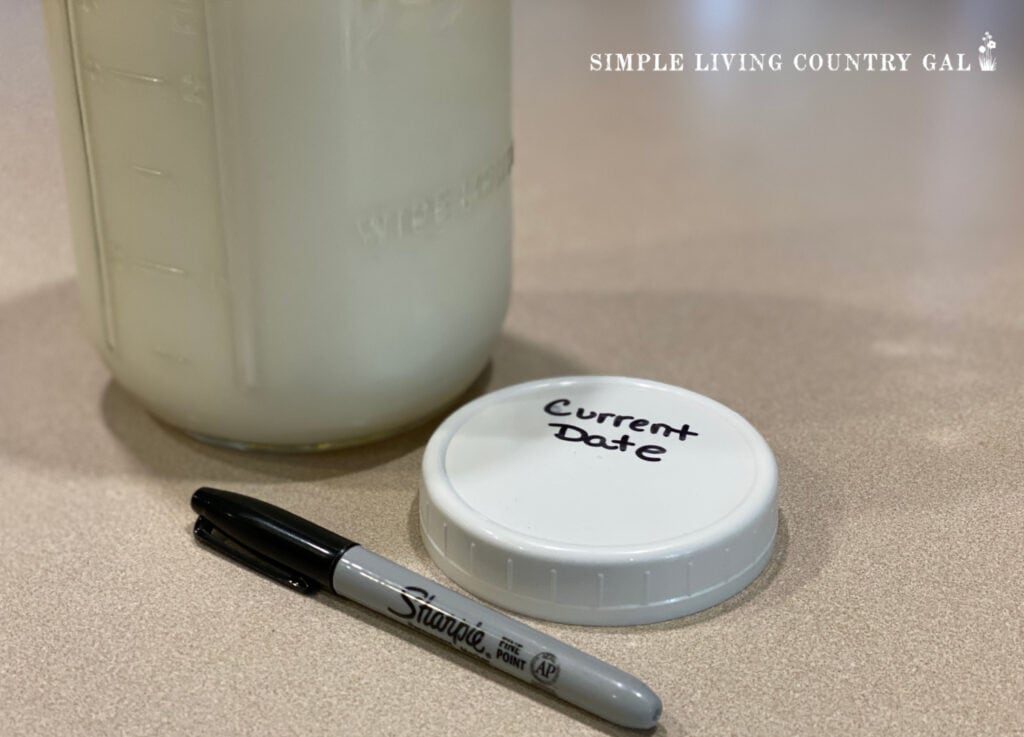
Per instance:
(290,550)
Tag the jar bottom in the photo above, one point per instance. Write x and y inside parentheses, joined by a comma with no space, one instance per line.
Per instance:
(323,447)
(475,388)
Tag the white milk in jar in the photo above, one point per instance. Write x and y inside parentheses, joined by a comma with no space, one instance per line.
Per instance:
(291,217)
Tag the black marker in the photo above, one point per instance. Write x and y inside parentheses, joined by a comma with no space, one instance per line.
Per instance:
(306,557)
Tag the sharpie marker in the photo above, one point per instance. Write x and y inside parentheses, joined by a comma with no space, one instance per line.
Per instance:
(306,558)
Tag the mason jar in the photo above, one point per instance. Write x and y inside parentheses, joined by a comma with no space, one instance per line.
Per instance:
(291,218)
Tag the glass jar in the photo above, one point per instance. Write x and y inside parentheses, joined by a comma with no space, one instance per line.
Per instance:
(291,218)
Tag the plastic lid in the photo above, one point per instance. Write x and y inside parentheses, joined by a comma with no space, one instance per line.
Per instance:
(599,500)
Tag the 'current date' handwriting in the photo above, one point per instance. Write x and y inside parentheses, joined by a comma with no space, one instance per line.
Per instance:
(649,452)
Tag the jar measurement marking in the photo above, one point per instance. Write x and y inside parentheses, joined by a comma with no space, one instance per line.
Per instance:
(174,358)
(191,88)
(150,172)
(95,69)
(138,263)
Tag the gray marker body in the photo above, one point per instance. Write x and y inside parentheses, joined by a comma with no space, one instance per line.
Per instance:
(501,641)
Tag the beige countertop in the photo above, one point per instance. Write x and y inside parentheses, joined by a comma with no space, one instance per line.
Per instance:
(837,256)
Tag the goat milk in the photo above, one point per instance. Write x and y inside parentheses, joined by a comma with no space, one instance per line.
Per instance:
(291,217)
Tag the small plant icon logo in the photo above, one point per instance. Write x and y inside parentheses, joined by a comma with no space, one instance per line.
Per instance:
(987,53)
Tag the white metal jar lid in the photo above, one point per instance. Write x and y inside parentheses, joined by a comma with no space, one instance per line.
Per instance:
(599,500)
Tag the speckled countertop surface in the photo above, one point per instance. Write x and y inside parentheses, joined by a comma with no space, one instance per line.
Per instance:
(839,257)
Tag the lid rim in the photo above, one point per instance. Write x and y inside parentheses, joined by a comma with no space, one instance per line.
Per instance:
(610,555)
(626,614)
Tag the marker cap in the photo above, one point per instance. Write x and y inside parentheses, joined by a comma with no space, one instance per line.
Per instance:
(599,500)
